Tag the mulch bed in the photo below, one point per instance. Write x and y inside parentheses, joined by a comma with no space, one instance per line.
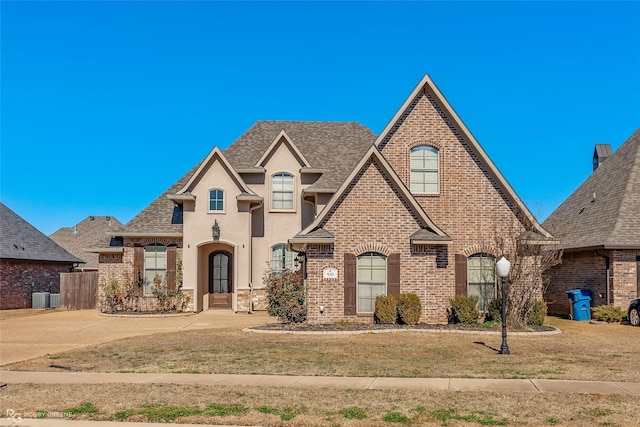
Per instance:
(336,327)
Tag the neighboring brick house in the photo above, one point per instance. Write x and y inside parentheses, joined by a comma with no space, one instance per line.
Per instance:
(83,235)
(29,261)
(417,209)
(599,229)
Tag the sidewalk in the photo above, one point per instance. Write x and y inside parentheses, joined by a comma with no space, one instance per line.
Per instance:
(359,383)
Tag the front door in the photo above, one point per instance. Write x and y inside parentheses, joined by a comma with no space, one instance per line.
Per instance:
(220,280)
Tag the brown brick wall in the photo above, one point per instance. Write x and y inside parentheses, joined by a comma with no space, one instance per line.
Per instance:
(577,271)
(19,279)
(586,270)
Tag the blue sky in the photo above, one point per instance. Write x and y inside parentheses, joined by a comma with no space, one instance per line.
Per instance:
(106,104)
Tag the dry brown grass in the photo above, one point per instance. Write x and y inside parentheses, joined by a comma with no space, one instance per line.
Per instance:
(325,407)
(583,351)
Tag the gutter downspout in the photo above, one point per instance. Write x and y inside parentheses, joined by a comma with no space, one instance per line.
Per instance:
(251,209)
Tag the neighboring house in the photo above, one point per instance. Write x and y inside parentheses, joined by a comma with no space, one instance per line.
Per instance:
(417,209)
(599,229)
(29,261)
(86,234)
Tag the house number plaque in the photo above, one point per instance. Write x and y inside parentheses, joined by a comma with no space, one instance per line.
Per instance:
(330,273)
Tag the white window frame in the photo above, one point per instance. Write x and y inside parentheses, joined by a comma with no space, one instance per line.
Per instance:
(418,186)
(224,201)
(481,279)
(285,261)
(365,279)
(273,190)
(151,255)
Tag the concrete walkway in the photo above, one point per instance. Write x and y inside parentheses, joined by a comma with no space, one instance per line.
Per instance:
(359,383)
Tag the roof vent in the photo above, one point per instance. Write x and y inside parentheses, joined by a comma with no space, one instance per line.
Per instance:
(600,154)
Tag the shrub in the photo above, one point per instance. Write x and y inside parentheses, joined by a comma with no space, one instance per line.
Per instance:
(118,297)
(608,313)
(536,312)
(385,310)
(285,296)
(464,309)
(495,310)
(409,308)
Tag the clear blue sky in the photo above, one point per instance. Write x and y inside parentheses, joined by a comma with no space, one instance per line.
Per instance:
(106,104)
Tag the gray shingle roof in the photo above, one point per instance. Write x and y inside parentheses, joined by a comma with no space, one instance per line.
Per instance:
(334,146)
(89,233)
(22,241)
(611,219)
(161,215)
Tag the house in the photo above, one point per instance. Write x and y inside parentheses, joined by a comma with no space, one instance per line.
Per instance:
(420,208)
(85,234)
(29,261)
(599,230)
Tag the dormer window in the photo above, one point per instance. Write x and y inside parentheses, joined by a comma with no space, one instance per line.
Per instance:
(216,200)
(425,170)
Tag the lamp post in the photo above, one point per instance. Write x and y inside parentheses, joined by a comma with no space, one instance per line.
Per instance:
(503,266)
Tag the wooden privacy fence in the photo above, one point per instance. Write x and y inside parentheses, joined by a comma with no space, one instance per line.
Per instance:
(78,291)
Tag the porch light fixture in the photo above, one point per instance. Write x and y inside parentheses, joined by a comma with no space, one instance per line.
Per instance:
(215,231)
(503,266)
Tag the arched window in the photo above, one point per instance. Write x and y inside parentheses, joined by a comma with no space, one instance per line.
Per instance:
(282,191)
(155,267)
(481,276)
(216,200)
(371,279)
(425,170)
(281,258)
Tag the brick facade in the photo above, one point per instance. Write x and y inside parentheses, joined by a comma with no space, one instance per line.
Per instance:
(471,208)
(20,279)
(588,270)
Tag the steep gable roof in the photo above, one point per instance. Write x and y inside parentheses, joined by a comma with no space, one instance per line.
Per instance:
(22,241)
(426,84)
(282,138)
(214,155)
(604,211)
(332,146)
(87,233)
(427,231)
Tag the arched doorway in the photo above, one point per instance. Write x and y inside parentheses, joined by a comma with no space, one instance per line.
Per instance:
(220,280)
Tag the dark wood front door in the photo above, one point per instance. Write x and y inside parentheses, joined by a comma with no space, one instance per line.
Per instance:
(220,280)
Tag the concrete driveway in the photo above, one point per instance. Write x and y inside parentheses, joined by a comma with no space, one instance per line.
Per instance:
(27,335)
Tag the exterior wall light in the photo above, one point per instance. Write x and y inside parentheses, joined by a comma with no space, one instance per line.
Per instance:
(215,231)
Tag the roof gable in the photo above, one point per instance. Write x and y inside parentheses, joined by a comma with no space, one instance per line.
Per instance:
(428,86)
(214,156)
(282,139)
(88,233)
(374,157)
(22,241)
(603,210)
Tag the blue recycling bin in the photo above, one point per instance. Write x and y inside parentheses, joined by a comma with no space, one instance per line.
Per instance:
(580,304)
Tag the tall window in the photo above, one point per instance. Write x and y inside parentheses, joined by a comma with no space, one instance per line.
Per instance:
(155,267)
(481,274)
(282,191)
(425,170)
(372,280)
(281,258)
(216,200)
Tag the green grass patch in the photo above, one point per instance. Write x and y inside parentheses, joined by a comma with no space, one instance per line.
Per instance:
(552,420)
(84,408)
(268,410)
(482,418)
(395,417)
(225,410)
(354,413)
